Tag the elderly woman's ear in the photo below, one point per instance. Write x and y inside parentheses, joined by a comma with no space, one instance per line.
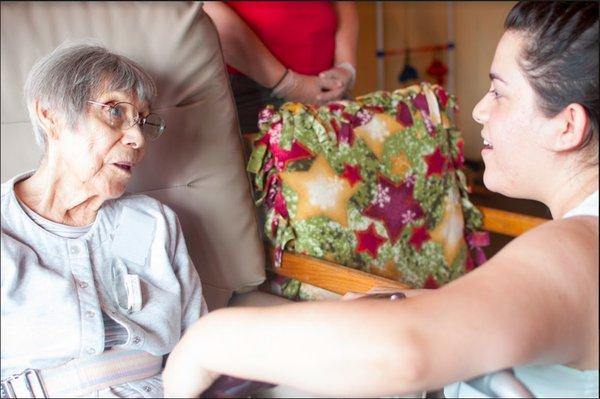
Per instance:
(47,119)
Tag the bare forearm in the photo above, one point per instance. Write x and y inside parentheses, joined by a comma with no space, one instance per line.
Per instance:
(242,49)
(339,349)
(346,36)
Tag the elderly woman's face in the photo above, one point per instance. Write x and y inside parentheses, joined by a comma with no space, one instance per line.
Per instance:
(513,124)
(99,156)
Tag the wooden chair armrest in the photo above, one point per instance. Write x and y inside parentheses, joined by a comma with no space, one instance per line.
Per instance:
(329,275)
(341,279)
(508,223)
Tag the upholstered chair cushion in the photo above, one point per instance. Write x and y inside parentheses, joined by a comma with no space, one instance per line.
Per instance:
(197,166)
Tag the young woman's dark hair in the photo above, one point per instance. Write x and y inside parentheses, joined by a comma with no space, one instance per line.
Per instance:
(560,57)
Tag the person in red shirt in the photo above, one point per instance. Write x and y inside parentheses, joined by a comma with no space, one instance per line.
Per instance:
(280,51)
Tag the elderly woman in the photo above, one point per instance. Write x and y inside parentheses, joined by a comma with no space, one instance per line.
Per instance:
(533,306)
(97,285)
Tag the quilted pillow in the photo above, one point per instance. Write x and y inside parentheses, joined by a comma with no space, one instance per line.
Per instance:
(374,184)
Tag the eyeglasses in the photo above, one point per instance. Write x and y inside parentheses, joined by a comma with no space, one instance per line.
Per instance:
(123,115)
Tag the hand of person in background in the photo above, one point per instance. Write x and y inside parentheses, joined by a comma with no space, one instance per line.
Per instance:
(332,84)
(338,81)
(306,89)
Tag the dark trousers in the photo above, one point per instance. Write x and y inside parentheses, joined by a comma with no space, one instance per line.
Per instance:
(250,99)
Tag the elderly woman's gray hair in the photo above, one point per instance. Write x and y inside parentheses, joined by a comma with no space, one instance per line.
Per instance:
(74,73)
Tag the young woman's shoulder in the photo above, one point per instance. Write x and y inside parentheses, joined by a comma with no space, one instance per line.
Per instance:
(536,299)
(564,243)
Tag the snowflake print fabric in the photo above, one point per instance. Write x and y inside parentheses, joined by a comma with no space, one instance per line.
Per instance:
(375,184)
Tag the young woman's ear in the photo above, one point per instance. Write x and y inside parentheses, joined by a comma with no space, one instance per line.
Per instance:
(573,125)
(47,119)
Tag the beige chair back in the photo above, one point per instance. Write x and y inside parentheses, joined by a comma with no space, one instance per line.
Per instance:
(197,166)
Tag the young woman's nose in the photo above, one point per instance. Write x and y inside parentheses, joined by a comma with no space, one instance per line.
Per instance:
(480,112)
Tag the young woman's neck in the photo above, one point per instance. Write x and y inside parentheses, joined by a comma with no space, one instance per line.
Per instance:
(570,188)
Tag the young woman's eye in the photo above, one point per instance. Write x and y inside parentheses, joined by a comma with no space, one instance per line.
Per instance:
(495,94)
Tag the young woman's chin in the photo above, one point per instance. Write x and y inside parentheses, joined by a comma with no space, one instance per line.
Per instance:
(496,184)
(490,181)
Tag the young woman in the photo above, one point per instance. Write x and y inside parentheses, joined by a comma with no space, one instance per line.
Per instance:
(533,306)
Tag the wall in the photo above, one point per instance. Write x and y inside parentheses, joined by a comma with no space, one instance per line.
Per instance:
(477,29)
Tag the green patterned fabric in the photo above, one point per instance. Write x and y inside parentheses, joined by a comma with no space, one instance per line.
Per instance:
(374,184)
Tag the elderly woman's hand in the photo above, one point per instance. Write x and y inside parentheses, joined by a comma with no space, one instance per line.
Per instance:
(183,377)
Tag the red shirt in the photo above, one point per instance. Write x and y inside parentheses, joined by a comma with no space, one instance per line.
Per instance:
(301,35)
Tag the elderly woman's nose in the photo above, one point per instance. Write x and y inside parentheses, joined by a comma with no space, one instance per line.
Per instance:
(480,112)
(134,137)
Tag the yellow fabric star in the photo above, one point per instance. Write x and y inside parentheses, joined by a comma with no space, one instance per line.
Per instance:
(449,231)
(321,192)
(294,108)
(374,133)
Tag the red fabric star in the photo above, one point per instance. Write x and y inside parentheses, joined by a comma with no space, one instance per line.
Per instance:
(403,114)
(420,102)
(333,107)
(431,282)
(436,162)
(459,161)
(345,134)
(335,126)
(279,205)
(352,174)
(442,96)
(264,140)
(265,115)
(394,205)
(362,117)
(274,226)
(281,156)
(419,236)
(369,241)
(469,264)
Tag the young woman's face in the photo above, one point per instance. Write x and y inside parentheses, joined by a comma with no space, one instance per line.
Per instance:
(513,125)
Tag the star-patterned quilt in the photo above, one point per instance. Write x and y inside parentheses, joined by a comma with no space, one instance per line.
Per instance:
(374,184)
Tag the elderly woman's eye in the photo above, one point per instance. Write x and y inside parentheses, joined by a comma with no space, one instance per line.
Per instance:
(116,112)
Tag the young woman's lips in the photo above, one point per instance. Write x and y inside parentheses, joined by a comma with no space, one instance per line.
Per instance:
(487,145)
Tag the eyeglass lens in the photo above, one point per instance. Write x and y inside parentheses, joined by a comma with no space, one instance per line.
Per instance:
(125,115)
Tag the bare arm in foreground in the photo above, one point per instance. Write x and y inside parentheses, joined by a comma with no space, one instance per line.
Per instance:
(534,302)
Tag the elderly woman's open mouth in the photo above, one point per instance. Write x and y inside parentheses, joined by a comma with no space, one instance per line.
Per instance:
(124,166)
